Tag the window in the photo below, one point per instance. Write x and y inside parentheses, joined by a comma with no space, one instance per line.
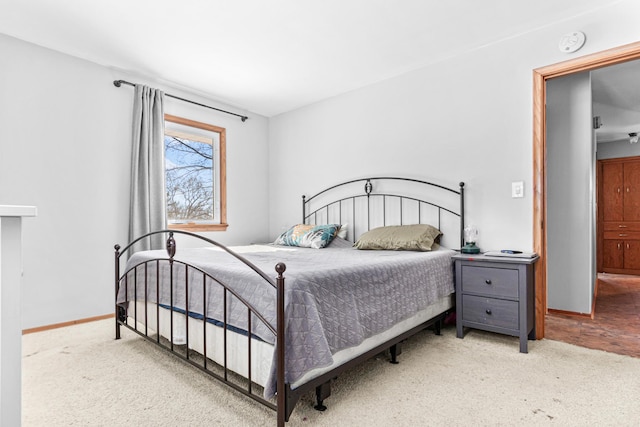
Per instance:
(195,174)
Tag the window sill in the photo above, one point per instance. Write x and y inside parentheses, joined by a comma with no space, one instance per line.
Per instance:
(198,227)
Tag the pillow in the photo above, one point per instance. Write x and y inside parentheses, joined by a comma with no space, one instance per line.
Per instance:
(308,236)
(417,237)
(342,231)
(339,242)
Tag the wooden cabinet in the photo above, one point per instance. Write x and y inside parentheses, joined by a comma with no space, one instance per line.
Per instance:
(495,294)
(631,191)
(619,215)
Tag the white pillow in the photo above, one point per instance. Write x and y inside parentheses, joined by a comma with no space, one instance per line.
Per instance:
(342,232)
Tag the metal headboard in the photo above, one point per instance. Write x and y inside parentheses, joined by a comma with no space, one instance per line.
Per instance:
(346,201)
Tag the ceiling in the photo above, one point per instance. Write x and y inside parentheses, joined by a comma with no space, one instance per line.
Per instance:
(273,56)
(618,87)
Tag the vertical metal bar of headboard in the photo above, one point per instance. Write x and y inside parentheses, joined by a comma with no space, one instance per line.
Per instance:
(367,189)
(461,214)
(353,218)
(384,209)
(420,214)
(401,205)
(304,207)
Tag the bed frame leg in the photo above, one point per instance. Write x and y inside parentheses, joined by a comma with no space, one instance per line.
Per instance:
(437,327)
(322,392)
(117,283)
(120,317)
(117,319)
(395,350)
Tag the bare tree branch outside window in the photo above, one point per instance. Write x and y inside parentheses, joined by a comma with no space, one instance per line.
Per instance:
(189,179)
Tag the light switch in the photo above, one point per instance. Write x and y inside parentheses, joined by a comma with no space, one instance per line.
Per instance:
(517,189)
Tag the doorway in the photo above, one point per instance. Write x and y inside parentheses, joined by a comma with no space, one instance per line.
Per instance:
(541,75)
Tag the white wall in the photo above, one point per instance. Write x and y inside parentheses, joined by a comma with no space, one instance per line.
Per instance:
(65,148)
(465,119)
(570,204)
(612,150)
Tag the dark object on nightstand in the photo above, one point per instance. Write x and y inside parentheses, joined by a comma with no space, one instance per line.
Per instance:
(496,294)
(470,248)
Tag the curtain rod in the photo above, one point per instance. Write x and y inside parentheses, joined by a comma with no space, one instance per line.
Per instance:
(118,83)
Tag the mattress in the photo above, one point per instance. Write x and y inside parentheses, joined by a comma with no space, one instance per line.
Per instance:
(261,351)
(335,299)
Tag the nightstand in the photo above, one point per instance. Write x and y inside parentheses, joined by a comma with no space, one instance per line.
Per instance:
(495,294)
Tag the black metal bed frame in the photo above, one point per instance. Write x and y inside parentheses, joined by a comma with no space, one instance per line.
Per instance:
(286,397)
(369,195)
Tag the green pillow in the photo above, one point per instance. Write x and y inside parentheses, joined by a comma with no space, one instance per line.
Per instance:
(416,237)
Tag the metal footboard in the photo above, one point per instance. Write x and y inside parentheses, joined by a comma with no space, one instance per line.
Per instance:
(148,324)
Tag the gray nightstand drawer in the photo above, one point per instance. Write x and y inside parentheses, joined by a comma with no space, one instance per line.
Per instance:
(488,311)
(498,282)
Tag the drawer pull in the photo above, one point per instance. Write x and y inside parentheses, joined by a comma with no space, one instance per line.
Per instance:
(622,226)
(623,234)
(487,281)
(488,311)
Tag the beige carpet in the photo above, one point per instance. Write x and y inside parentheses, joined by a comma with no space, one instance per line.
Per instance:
(81,376)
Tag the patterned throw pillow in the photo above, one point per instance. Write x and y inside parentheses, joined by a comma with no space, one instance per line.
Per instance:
(308,235)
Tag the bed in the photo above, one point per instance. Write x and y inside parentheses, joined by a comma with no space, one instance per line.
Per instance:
(227,312)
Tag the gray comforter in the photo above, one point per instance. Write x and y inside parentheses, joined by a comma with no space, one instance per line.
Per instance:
(335,297)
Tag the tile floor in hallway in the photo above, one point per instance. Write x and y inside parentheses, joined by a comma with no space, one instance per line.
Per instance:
(616,324)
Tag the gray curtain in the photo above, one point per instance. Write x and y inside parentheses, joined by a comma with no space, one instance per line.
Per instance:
(147,205)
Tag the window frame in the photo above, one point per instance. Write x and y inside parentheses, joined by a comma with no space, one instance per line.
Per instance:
(221,175)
